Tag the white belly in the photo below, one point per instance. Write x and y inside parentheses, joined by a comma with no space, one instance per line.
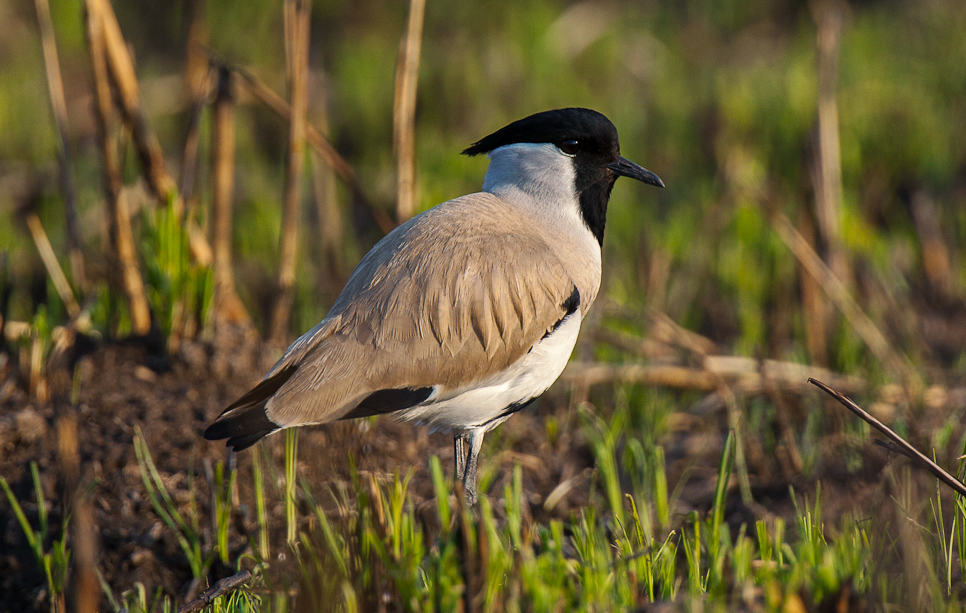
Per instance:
(484,404)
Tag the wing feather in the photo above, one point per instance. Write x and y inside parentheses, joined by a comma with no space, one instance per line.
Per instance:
(405,320)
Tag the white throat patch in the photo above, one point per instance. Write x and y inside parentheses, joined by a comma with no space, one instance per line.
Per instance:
(537,177)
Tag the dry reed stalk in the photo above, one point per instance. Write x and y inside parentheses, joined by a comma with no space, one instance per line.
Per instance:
(816,309)
(119,67)
(936,261)
(257,88)
(86,589)
(121,70)
(331,223)
(55,86)
(228,307)
(835,289)
(829,16)
(404,111)
(785,426)
(297,21)
(648,347)
(52,265)
(196,78)
(121,237)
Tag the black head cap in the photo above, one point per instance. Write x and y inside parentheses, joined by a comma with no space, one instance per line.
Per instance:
(587,136)
(559,126)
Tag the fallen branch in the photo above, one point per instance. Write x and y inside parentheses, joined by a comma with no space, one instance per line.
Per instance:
(903,446)
(220,588)
(747,374)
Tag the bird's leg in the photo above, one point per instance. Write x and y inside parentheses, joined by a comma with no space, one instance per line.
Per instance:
(459,455)
(469,478)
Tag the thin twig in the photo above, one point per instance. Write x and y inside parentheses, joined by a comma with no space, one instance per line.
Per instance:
(839,294)
(257,88)
(903,445)
(220,588)
(896,449)
(297,14)
(55,85)
(404,111)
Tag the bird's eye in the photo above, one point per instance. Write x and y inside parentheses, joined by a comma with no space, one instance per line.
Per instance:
(570,147)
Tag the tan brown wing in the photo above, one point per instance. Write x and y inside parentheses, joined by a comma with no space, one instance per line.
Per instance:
(454,296)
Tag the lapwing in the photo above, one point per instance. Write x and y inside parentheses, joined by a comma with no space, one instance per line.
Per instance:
(467,312)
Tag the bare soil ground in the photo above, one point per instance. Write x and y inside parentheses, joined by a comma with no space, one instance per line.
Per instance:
(128,386)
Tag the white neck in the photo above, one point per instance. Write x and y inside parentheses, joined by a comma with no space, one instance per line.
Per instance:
(538,178)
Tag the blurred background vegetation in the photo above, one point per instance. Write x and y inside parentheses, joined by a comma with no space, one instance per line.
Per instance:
(845,121)
(719,98)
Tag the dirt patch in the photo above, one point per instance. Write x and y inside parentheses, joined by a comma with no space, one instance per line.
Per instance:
(128,387)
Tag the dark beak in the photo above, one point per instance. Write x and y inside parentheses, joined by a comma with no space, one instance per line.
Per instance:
(626,168)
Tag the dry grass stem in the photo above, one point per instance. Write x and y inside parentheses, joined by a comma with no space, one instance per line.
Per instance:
(829,16)
(835,289)
(86,588)
(196,81)
(666,330)
(815,307)
(228,307)
(52,265)
(123,76)
(119,68)
(297,14)
(119,221)
(331,222)
(404,111)
(55,86)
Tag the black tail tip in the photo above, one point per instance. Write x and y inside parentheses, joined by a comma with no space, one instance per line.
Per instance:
(237,440)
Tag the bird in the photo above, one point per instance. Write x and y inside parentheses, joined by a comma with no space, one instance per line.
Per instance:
(467,312)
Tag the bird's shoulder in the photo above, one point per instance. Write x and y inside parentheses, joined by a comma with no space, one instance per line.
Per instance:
(475,243)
